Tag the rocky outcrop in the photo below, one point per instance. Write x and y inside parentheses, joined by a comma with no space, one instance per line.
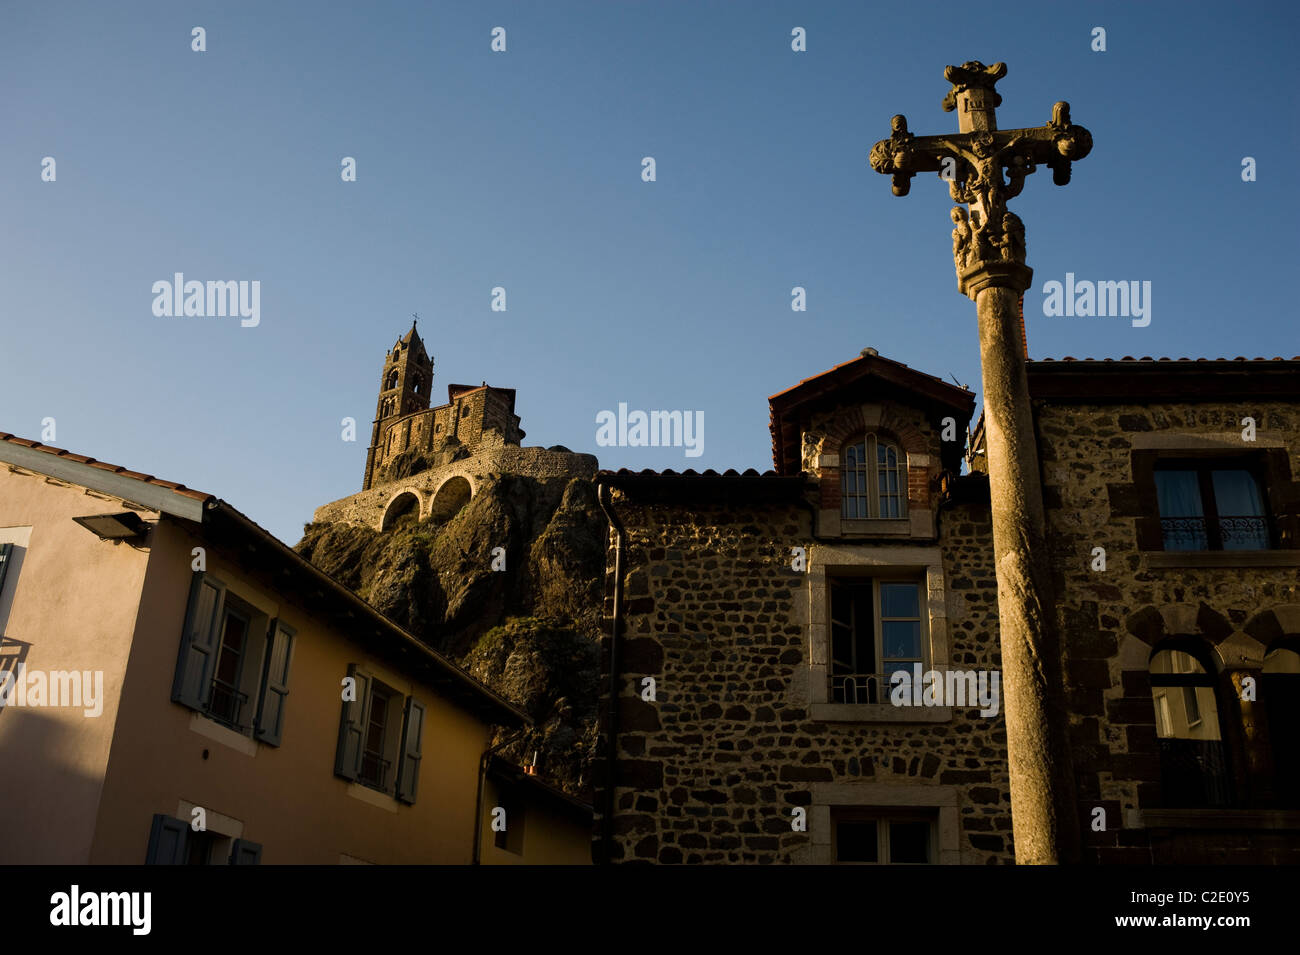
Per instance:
(509,585)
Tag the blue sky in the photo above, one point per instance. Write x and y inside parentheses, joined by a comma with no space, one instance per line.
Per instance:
(522,170)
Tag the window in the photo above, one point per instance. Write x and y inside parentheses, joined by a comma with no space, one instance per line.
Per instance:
(380,737)
(876,629)
(226,669)
(511,839)
(1211,504)
(1193,767)
(873,480)
(894,838)
(173,842)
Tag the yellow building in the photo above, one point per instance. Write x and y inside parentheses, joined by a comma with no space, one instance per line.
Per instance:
(180,686)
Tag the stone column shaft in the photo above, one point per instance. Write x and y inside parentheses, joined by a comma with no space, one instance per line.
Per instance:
(1044,819)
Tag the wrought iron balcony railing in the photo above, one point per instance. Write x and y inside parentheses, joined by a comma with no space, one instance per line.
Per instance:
(1234,533)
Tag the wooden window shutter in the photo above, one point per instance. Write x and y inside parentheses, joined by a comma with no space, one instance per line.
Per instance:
(408,773)
(347,759)
(274,691)
(198,653)
(168,841)
(244,852)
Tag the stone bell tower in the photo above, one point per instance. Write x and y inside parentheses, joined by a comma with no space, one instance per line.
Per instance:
(404,387)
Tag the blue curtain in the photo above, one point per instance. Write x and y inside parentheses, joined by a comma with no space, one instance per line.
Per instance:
(1241,510)
(1181,513)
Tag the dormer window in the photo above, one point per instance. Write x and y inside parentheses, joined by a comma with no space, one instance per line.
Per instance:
(872,480)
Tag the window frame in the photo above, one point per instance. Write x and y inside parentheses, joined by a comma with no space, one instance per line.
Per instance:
(265,633)
(871,469)
(883,817)
(1203,464)
(878,620)
(403,734)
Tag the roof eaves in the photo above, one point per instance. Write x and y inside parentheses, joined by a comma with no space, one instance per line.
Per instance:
(144,489)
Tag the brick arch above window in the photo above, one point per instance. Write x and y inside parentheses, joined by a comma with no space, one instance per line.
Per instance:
(851,428)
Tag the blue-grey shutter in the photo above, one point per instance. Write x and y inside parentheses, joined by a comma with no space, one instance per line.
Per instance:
(168,841)
(275,683)
(408,773)
(347,759)
(193,683)
(6,552)
(243,852)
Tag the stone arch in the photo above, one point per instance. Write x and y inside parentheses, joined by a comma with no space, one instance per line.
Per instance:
(402,507)
(452,495)
(1152,624)
(1271,625)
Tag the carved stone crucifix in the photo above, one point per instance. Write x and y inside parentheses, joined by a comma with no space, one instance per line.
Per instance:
(989,255)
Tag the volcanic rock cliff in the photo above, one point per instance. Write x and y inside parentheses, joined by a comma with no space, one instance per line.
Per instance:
(528,630)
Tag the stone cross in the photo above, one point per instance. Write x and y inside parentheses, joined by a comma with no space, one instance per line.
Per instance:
(984,167)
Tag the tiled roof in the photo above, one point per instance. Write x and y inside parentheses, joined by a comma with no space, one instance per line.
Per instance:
(105,466)
(788,409)
(220,518)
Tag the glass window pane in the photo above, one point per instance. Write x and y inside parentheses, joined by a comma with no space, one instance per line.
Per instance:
(1182,521)
(900,600)
(841,604)
(856,841)
(901,640)
(1175,661)
(909,842)
(1242,524)
(1179,494)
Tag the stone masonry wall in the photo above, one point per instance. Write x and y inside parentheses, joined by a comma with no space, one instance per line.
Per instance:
(711,771)
(368,507)
(1113,619)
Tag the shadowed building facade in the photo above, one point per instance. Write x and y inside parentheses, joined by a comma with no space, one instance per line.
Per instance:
(770,611)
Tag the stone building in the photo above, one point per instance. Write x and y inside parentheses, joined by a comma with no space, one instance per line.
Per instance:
(425,464)
(754,622)
(406,427)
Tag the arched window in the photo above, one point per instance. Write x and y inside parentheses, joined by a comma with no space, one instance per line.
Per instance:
(392,379)
(415,387)
(873,480)
(1193,765)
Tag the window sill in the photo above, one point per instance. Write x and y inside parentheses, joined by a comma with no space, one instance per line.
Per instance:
(853,527)
(1220,819)
(372,796)
(226,737)
(1168,559)
(879,713)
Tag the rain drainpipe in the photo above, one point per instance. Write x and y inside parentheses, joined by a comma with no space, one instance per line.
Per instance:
(478,795)
(611,755)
